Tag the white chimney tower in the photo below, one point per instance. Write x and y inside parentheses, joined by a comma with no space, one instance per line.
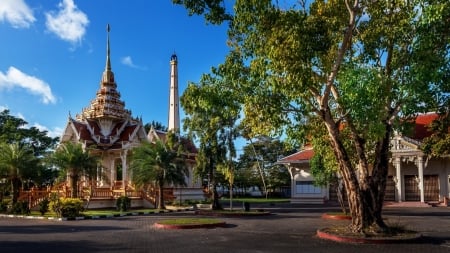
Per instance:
(174,111)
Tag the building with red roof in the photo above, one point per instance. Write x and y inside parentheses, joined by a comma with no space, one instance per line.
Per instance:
(412,176)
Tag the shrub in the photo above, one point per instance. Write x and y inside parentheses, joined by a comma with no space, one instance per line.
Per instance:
(20,207)
(3,206)
(44,206)
(123,203)
(67,207)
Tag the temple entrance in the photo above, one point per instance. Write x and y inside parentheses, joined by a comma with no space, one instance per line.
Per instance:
(119,171)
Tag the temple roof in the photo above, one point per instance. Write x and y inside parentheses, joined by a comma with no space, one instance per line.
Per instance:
(105,123)
(107,103)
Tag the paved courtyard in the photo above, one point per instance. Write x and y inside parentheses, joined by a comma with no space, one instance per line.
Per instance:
(289,229)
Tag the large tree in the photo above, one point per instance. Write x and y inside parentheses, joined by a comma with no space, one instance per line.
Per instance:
(160,163)
(211,119)
(16,130)
(354,65)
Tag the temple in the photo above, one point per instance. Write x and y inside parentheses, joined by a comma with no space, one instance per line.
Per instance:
(110,131)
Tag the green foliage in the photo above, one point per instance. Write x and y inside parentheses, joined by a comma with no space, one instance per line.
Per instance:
(212,114)
(123,203)
(67,207)
(156,125)
(159,163)
(14,130)
(20,207)
(335,61)
(263,153)
(44,206)
(4,206)
(214,10)
(17,162)
(74,161)
(21,150)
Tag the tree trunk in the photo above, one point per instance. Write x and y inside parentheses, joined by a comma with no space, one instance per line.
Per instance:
(215,198)
(161,196)
(365,190)
(340,195)
(73,185)
(349,176)
(15,188)
(215,205)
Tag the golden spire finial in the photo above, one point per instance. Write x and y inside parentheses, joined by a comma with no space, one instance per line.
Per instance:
(108,62)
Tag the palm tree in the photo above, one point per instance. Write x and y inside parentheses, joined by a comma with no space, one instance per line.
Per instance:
(159,163)
(16,160)
(75,162)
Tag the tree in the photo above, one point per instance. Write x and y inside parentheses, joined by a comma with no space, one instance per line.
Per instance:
(336,62)
(156,125)
(159,163)
(14,130)
(16,162)
(211,118)
(75,162)
(263,153)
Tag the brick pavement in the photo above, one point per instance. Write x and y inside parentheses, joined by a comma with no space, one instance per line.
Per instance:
(291,228)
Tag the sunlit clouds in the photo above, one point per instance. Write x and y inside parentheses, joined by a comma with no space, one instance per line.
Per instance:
(127,61)
(68,23)
(16,13)
(14,78)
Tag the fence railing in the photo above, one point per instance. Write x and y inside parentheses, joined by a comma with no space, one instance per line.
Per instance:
(35,196)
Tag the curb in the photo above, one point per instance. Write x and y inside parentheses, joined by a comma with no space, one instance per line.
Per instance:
(336,217)
(88,217)
(346,239)
(190,226)
(225,214)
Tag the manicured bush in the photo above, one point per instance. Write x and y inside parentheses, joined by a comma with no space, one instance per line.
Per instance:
(44,206)
(123,203)
(67,207)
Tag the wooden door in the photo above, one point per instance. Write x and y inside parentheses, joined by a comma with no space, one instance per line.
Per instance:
(412,192)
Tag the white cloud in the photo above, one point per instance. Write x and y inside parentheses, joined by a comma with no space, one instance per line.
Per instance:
(55,132)
(17,13)
(69,23)
(16,78)
(129,62)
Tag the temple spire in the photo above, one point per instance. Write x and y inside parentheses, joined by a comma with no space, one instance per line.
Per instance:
(108,76)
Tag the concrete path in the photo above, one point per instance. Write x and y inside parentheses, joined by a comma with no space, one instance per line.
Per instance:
(291,228)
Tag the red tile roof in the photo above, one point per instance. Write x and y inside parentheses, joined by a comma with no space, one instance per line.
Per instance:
(421,125)
(299,157)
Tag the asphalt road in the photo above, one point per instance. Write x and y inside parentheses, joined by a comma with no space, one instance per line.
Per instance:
(289,229)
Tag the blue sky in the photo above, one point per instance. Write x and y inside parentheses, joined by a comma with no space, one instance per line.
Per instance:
(53,52)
